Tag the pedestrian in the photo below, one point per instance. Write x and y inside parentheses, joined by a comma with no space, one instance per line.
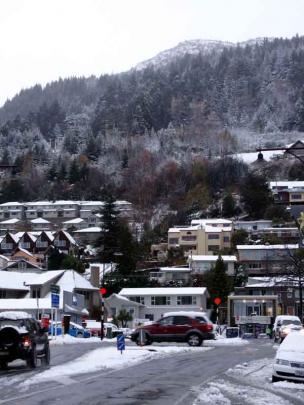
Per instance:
(269,331)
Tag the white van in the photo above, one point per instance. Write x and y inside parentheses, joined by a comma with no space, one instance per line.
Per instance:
(285,324)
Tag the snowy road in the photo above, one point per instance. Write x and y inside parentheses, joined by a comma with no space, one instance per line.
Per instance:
(169,374)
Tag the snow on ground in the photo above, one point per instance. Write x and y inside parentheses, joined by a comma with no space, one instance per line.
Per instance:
(70,340)
(226,342)
(249,383)
(109,358)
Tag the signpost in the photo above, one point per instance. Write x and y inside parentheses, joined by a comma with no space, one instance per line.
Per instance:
(121,344)
(102,291)
(55,301)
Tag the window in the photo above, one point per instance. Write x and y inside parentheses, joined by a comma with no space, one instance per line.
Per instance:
(166,321)
(160,300)
(173,241)
(140,300)
(36,292)
(182,320)
(25,245)
(189,238)
(41,244)
(213,236)
(6,246)
(2,294)
(60,242)
(113,311)
(213,248)
(22,265)
(186,300)
(255,266)
(201,319)
(226,239)
(296,196)
(150,317)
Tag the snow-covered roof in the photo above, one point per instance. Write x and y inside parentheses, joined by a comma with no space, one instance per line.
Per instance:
(69,237)
(210,258)
(71,280)
(9,204)
(217,229)
(125,300)
(16,281)
(216,221)
(286,184)
(74,221)
(175,269)
(163,291)
(263,282)
(10,221)
(25,303)
(45,277)
(93,229)
(25,251)
(40,221)
(268,247)
(183,228)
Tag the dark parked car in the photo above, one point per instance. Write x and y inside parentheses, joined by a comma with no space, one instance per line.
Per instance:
(192,328)
(22,337)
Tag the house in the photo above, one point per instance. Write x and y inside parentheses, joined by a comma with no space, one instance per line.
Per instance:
(9,225)
(151,303)
(265,260)
(205,238)
(43,241)
(88,235)
(171,275)
(26,241)
(64,242)
(74,224)
(40,224)
(31,292)
(202,263)
(21,253)
(22,265)
(252,226)
(8,244)
(11,210)
(288,192)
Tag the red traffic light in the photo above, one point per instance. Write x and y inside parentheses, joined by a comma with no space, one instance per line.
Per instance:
(217,300)
(103,291)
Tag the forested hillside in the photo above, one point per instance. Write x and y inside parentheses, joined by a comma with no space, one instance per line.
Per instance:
(144,128)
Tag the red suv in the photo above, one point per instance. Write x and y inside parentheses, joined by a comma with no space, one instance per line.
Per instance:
(192,328)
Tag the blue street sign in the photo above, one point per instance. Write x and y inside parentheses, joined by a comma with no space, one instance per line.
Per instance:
(121,344)
(55,300)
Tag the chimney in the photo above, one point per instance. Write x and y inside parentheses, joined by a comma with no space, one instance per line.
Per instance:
(95,276)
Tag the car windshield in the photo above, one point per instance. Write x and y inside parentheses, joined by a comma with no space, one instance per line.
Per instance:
(290,322)
(13,322)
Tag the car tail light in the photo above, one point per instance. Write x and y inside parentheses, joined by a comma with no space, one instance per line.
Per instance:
(26,341)
(209,327)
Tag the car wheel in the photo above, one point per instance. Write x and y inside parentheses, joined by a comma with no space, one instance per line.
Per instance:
(47,355)
(146,340)
(194,339)
(275,379)
(32,360)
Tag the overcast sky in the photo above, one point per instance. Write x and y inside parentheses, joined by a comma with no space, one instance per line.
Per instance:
(42,40)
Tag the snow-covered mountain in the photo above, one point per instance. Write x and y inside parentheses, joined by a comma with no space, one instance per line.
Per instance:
(192,47)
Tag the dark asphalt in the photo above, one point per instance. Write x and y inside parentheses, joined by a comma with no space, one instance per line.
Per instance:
(165,381)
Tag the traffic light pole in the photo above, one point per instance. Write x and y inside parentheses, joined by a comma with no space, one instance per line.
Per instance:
(102,319)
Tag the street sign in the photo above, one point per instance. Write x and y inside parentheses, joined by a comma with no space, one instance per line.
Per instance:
(55,289)
(55,300)
(121,344)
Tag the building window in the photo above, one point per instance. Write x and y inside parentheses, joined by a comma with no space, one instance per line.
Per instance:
(113,311)
(160,300)
(140,300)
(36,292)
(22,265)
(226,239)
(173,241)
(254,266)
(296,196)
(60,243)
(189,238)
(25,245)
(213,248)
(41,244)
(6,246)
(2,294)
(213,236)
(186,300)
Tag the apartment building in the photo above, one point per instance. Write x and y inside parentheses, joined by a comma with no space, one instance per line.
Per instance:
(203,237)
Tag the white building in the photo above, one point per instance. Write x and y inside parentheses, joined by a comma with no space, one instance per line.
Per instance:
(152,303)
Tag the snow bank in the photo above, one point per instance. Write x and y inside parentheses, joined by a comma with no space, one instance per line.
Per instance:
(71,340)
(108,358)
